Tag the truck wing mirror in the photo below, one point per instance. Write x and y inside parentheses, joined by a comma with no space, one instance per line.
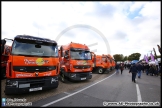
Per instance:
(3,42)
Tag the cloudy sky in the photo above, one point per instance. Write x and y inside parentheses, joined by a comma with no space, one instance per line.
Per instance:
(106,27)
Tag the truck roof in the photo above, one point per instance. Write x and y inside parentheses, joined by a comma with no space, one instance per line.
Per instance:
(28,37)
(75,45)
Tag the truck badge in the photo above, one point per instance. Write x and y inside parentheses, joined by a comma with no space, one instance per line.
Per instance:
(36,74)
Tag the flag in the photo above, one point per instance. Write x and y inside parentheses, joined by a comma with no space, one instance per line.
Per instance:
(155,53)
(146,59)
(159,48)
(152,57)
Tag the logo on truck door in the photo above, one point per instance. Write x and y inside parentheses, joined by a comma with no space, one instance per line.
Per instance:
(38,61)
(84,62)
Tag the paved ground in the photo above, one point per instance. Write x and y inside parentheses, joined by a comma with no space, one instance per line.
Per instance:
(113,88)
(63,87)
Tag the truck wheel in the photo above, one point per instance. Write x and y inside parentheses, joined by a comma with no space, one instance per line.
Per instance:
(100,70)
(63,78)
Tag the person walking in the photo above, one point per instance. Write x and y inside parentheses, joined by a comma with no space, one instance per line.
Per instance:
(147,68)
(133,70)
(139,68)
(117,68)
(125,65)
(151,70)
(121,67)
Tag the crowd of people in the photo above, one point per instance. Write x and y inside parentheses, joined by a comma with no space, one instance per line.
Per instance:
(138,68)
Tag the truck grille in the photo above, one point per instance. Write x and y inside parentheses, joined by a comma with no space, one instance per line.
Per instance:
(81,66)
(83,75)
(33,68)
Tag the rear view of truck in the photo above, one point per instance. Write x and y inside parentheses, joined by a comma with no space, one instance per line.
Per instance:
(33,65)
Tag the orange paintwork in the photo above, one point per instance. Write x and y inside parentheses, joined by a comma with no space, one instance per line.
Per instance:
(112,62)
(32,61)
(68,64)
(103,61)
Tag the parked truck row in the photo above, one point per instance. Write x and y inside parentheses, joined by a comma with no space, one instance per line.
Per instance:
(33,63)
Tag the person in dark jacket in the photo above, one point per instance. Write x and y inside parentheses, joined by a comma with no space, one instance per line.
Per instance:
(117,68)
(139,67)
(121,67)
(147,68)
(151,70)
(133,70)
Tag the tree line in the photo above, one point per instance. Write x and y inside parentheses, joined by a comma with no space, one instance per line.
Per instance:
(134,56)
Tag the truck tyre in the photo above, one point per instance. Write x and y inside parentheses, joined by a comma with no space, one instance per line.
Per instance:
(63,78)
(100,70)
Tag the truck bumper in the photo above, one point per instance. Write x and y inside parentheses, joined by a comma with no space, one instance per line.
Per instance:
(19,86)
(79,76)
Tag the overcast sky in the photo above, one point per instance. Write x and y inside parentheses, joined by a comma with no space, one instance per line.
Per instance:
(107,27)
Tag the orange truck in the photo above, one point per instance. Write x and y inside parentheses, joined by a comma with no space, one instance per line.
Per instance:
(101,63)
(112,62)
(75,62)
(33,65)
(5,51)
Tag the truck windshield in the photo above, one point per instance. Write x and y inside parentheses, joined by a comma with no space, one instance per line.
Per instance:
(34,49)
(80,55)
(103,59)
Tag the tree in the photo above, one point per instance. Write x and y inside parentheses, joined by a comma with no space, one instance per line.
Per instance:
(118,57)
(125,58)
(134,56)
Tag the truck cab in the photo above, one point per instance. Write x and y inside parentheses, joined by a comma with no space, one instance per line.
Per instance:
(102,63)
(33,65)
(75,62)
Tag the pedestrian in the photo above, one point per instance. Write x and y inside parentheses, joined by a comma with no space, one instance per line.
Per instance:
(139,68)
(117,68)
(125,65)
(121,67)
(155,70)
(157,64)
(143,68)
(133,70)
(151,70)
(147,68)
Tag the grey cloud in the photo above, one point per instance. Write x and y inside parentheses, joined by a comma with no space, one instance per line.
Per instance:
(102,10)
(139,20)
(120,35)
(69,34)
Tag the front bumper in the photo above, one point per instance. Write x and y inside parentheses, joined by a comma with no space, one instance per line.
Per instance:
(79,76)
(19,86)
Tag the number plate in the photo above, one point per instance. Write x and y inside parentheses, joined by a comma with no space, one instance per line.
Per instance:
(35,89)
(24,85)
(83,78)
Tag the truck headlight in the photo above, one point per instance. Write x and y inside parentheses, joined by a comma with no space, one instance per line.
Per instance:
(12,83)
(54,80)
(72,75)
